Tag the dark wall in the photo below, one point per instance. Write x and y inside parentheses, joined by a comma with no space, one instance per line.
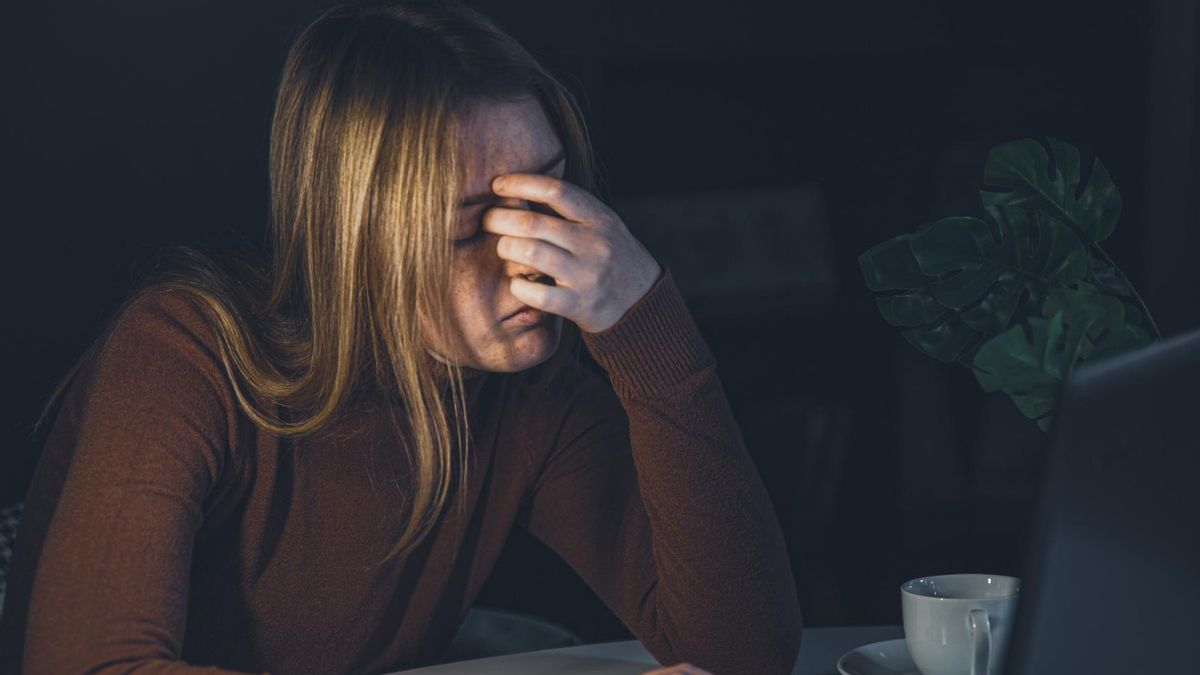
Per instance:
(141,124)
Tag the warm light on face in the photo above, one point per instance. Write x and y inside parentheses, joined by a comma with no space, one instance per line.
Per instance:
(497,138)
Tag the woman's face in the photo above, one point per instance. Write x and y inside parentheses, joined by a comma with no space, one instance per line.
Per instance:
(498,138)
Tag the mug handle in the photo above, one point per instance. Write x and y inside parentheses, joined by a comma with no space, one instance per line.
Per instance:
(980,629)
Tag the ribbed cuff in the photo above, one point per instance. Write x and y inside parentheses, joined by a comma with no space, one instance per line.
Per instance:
(655,345)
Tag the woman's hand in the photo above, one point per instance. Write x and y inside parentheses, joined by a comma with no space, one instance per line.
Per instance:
(599,269)
(678,669)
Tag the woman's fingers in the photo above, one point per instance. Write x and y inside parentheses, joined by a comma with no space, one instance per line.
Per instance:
(600,269)
(552,299)
(533,225)
(567,199)
(541,256)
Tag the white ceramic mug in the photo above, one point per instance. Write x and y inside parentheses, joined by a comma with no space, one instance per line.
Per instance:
(958,624)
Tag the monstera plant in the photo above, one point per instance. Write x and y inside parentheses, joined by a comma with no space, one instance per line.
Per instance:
(1025,293)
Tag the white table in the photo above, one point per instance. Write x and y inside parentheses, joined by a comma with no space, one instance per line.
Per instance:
(820,649)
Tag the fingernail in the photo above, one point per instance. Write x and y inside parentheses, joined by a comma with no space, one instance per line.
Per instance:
(498,183)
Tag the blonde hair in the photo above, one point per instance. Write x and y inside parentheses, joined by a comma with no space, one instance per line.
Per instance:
(365,178)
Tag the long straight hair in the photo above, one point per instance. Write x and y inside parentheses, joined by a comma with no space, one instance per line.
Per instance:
(365,175)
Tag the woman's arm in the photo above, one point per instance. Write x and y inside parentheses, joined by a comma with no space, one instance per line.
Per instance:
(650,495)
(111,589)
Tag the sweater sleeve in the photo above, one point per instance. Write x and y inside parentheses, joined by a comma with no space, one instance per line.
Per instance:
(650,495)
(111,589)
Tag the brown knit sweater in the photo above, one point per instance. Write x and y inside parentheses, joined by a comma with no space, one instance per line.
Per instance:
(169,535)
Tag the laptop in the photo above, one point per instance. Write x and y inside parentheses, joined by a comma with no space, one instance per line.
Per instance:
(1112,584)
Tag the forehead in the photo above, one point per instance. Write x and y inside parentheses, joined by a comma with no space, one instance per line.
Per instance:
(503,137)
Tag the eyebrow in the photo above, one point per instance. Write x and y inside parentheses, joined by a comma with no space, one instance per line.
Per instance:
(543,169)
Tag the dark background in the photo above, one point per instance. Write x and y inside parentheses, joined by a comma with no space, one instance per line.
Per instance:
(130,126)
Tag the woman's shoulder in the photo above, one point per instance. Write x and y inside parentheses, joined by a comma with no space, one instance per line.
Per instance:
(161,344)
(150,386)
(164,314)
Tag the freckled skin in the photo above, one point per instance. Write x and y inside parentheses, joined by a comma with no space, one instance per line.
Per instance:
(498,138)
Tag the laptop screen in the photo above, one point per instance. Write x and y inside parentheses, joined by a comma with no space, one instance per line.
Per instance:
(1112,583)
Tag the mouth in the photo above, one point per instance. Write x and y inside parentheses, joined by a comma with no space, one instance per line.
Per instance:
(526,316)
(515,312)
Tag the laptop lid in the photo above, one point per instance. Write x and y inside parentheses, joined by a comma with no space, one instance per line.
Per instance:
(1113,580)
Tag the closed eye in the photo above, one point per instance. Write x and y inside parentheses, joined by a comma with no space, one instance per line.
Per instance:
(471,240)
(478,236)
(474,238)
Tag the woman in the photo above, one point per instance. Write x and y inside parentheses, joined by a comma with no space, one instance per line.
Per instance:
(253,468)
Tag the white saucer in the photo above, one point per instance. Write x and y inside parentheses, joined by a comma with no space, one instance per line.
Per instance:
(880,658)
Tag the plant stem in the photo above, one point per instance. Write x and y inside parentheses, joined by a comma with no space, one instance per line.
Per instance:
(1137,296)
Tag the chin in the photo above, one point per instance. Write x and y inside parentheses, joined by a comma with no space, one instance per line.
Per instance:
(528,348)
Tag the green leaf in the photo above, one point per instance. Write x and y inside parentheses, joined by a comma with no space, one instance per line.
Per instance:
(972,270)
(1027,362)
(945,339)
(909,310)
(1022,357)
(1134,315)
(1124,338)
(994,310)
(1019,174)
(1058,257)
(952,245)
(1037,405)
(1040,254)
(962,254)
(1030,360)
(891,266)
(1090,314)
(1017,296)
